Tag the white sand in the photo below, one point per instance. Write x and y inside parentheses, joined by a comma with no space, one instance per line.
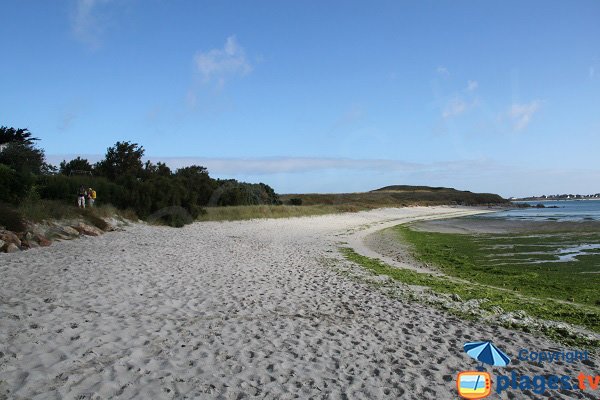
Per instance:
(230,311)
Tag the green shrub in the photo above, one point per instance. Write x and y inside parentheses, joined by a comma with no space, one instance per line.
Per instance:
(176,220)
(65,188)
(11,219)
(15,186)
(295,201)
(40,210)
(234,193)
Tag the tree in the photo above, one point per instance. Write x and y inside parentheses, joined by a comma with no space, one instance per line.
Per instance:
(123,159)
(158,169)
(19,161)
(163,169)
(23,158)
(15,186)
(10,135)
(77,164)
(198,184)
(192,171)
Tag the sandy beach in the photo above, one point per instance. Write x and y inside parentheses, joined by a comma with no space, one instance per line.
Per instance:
(236,310)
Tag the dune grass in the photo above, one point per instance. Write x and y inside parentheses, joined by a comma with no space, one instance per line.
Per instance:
(41,210)
(15,218)
(235,213)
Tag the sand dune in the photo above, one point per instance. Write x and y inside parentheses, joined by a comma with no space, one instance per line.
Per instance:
(230,311)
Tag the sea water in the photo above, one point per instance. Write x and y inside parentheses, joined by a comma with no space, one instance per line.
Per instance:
(565,248)
(556,210)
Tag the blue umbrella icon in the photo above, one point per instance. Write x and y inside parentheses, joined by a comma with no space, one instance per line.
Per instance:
(487,353)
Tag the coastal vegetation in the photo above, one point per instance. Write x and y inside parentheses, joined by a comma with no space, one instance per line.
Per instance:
(561,265)
(125,181)
(235,213)
(489,302)
(400,196)
(547,271)
(122,179)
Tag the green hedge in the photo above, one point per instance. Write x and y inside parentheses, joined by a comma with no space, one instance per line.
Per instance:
(14,186)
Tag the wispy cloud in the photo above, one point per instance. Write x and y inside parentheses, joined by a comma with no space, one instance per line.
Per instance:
(275,165)
(268,165)
(522,114)
(454,107)
(217,65)
(349,120)
(592,72)
(297,174)
(84,21)
(472,86)
(442,70)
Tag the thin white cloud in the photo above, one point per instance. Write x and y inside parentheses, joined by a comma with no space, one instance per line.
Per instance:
(454,107)
(259,166)
(352,118)
(84,21)
(472,86)
(191,99)
(286,165)
(217,65)
(269,165)
(297,174)
(442,70)
(592,72)
(522,114)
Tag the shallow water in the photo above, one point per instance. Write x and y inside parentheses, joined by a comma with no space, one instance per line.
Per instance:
(566,210)
(565,254)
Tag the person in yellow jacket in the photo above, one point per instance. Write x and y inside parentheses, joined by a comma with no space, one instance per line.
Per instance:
(91,197)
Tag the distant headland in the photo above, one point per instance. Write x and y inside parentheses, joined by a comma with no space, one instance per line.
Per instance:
(558,197)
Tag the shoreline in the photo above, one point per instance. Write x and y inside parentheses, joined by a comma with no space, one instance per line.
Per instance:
(504,225)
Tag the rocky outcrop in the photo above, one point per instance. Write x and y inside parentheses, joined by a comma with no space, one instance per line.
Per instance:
(62,232)
(31,244)
(42,240)
(87,230)
(11,248)
(10,237)
(44,233)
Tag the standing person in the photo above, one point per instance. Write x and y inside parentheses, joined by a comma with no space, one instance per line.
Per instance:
(91,197)
(81,197)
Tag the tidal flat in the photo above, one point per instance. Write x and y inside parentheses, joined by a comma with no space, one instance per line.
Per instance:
(558,262)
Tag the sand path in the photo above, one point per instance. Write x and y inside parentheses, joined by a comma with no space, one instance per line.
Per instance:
(231,311)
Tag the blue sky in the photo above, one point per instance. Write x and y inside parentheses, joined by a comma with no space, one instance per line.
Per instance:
(314,96)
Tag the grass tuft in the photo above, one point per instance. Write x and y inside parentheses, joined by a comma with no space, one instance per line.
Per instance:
(235,213)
